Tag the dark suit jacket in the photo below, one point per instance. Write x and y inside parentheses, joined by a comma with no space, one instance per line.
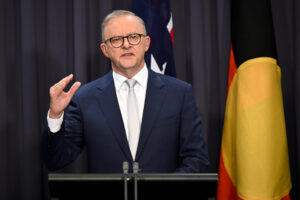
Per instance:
(171,139)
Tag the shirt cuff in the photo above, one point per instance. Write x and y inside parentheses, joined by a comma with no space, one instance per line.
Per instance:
(55,124)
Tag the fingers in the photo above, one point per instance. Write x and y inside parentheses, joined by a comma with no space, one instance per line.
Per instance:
(64,82)
(60,86)
(73,89)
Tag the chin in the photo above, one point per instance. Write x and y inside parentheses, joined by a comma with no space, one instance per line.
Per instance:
(129,65)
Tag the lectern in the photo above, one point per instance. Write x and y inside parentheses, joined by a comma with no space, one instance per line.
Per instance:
(150,186)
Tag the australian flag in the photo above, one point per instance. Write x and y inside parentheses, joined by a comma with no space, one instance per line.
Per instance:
(159,25)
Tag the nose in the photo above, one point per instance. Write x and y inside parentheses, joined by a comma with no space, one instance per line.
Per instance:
(126,43)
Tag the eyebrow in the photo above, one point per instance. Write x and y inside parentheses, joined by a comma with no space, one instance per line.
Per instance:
(126,35)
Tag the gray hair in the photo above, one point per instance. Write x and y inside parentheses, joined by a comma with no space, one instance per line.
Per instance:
(118,13)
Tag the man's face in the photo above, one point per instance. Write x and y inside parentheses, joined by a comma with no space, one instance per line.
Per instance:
(127,59)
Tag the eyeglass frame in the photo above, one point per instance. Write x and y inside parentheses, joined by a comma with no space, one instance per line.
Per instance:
(139,34)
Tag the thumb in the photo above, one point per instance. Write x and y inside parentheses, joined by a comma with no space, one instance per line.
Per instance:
(73,89)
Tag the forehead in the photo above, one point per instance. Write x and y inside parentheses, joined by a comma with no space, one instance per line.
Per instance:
(123,25)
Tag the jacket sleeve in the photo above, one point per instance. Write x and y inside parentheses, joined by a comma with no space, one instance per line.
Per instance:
(63,147)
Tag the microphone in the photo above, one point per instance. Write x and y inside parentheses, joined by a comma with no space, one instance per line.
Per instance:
(135,172)
(125,173)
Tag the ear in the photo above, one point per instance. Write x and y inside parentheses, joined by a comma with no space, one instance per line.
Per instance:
(147,43)
(104,49)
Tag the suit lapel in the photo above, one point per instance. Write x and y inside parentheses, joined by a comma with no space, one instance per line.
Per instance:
(154,98)
(109,105)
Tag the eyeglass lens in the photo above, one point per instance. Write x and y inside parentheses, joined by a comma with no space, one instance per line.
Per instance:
(132,39)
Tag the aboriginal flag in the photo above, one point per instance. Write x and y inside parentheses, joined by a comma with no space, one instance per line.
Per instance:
(254,162)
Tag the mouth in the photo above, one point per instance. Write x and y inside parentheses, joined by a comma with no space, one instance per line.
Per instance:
(127,55)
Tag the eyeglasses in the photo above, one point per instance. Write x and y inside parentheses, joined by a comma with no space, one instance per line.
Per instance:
(118,41)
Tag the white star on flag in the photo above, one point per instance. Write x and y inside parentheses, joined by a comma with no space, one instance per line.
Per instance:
(155,67)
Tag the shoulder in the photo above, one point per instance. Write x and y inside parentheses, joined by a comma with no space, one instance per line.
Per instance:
(169,81)
(95,85)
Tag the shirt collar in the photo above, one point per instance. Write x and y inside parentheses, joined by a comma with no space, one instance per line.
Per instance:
(141,77)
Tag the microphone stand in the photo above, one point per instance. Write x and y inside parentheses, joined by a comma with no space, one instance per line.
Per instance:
(125,173)
(135,172)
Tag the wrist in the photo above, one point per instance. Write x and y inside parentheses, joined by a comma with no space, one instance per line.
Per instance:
(54,115)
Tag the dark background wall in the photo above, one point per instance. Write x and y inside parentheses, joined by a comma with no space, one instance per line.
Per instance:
(42,41)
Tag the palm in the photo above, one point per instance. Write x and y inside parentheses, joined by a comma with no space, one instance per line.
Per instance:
(60,102)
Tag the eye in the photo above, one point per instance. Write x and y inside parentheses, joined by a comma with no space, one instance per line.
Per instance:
(134,36)
(116,39)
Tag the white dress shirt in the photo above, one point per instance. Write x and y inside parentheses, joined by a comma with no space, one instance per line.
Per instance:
(139,89)
(122,92)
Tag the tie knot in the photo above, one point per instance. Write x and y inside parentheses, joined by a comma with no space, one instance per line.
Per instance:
(131,82)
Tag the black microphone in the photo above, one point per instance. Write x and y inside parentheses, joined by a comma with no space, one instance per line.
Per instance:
(125,173)
(135,172)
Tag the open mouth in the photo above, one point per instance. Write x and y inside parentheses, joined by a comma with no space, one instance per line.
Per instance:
(127,54)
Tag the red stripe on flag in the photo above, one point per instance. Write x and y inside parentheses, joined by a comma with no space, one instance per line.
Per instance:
(226,189)
(172,36)
(287,198)
(232,68)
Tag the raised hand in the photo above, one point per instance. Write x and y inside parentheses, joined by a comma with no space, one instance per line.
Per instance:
(59,99)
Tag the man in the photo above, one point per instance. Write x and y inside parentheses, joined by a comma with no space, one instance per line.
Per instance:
(153,122)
